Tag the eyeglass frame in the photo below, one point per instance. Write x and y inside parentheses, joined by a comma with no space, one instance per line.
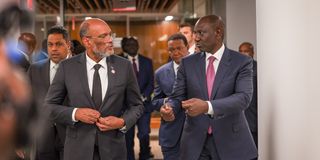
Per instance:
(103,36)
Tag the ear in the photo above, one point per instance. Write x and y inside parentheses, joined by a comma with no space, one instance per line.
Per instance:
(85,42)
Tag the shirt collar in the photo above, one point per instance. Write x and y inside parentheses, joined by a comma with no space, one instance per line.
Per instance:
(130,57)
(217,55)
(91,63)
(52,64)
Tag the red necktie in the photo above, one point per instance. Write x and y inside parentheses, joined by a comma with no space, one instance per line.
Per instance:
(135,68)
(210,81)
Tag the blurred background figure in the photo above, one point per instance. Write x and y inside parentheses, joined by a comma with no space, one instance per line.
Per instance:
(143,69)
(76,47)
(16,108)
(26,45)
(42,54)
(246,48)
(187,30)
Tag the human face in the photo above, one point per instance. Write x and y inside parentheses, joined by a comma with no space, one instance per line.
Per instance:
(177,50)
(131,47)
(206,36)
(188,33)
(246,50)
(99,40)
(58,47)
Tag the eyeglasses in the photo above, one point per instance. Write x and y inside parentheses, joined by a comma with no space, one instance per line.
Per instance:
(176,49)
(103,36)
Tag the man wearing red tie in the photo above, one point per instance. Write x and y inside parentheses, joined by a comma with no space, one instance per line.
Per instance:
(213,88)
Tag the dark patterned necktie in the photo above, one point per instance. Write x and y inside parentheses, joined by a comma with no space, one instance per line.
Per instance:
(96,87)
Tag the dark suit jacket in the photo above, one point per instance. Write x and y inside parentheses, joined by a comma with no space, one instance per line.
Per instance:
(39,74)
(170,132)
(230,96)
(145,79)
(122,100)
(252,111)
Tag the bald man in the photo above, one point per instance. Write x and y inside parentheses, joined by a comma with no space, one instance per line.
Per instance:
(213,88)
(104,97)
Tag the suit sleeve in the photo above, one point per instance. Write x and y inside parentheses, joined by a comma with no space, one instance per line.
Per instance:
(149,89)
(56,96)
(240,99)
(179,92)
(159,95)
(132,97)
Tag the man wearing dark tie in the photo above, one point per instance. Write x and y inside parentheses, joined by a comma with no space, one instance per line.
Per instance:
(213,88)
(50,138)
(103,94)
(143,69)
(170,132)
(246,48)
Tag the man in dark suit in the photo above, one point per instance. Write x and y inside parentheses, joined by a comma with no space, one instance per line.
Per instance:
(246,48)
(104,99)
(214,88)
(41,74)
(170,132)
(143,69)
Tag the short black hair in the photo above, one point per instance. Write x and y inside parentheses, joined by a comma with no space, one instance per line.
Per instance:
(59,30)
(126,39)
(178,36)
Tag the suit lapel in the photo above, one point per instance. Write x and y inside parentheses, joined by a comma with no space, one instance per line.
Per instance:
(170,75)
(221,72)
(201,73)
(46,73)
(84,77)
(111,77)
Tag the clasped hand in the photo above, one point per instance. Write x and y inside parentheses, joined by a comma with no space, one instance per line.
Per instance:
(91,116)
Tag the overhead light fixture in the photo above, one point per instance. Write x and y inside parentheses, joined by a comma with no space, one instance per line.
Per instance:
(86,18)
(168,18)
(124,5)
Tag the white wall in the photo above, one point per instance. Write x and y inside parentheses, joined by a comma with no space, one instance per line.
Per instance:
(288,34)
(240,22)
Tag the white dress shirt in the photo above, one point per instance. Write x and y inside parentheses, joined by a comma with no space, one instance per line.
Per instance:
(53,70)
(192,49)
(136,58)
(175,68)
(103,73)
(216,62)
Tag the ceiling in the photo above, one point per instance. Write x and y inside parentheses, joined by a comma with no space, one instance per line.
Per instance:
(47,7)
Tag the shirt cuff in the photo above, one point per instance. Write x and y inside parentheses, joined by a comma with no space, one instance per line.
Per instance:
(74,115)
(210,109)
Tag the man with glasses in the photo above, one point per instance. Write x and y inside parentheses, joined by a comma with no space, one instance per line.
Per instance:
(170,132)
(50,138)
(104,98)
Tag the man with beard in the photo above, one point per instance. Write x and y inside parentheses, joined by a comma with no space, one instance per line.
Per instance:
(103,94)
(41,74)
(143,69)
(213,88)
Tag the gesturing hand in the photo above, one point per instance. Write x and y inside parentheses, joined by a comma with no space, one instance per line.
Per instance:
(110,123)
(87,115)
(195,106)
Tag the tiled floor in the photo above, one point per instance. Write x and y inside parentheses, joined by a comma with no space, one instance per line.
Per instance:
(155,148)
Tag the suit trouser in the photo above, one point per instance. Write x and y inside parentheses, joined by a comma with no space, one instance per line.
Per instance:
(171,153)
(143,125)
(209,150)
